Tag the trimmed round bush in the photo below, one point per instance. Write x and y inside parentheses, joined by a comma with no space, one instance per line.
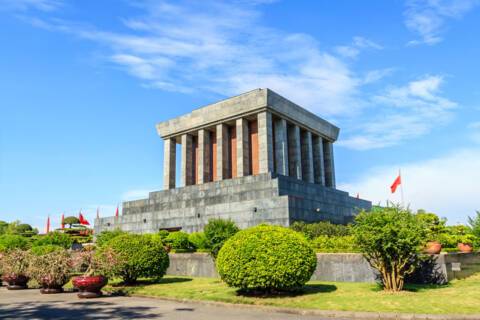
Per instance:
(266,258)
(137,256)
(105,236)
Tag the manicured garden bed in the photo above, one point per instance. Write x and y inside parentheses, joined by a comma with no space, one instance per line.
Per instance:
(460,296)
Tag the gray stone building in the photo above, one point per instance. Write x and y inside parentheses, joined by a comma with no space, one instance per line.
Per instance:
(256,157)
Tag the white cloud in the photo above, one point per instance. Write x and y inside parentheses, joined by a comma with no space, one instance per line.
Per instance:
(23,5)
(358,44)
(474,129)
(427,17)
(408,111)
(447,185)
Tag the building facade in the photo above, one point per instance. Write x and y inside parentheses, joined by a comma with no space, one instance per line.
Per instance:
(252,158)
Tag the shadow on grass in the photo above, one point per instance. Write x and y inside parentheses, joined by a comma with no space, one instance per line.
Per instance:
(306,290)
(122,289)
(414,287)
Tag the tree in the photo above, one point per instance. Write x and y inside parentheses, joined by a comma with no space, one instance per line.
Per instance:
(390,239)
(71,220)
(475,224)
(217,231)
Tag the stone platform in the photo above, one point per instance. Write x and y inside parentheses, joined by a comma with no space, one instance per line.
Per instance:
(248,201)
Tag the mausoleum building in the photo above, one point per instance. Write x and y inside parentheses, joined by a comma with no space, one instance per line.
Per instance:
(252,158)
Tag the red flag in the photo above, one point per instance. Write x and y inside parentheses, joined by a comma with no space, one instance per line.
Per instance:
(396,183)
(63,221)
(83,220)
(116,212)
(48,225)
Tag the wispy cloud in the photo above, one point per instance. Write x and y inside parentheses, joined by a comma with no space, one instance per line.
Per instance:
(23,5)
(428,184)
(358,44)
(407,112)
(427,18)
(226,49)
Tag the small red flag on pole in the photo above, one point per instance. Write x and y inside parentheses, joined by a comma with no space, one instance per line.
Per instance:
(63,221)
(48,225)
(83,220)
(396,183)
(116,212)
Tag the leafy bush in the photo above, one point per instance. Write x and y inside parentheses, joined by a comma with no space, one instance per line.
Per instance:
(162,234)
(51,269)
(54,238)
(323,228)
(12,241)
(45,249)
(217,231)
(106,236)
(15,262)
(178,241)
(3,227)
(137,256)
(266,258)
(25,230)
(390,239)
(335,244)
(199,241)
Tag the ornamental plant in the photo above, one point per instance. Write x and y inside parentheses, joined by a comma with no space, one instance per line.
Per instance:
(138,256)
(12,241)
(217,231)
(15,263)
(179,242)
(54,238)
(92,263)
(198,240)
(51,268)
(390,239)
(106,236)
(266,258)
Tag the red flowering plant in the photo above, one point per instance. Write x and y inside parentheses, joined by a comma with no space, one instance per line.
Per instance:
(91,263)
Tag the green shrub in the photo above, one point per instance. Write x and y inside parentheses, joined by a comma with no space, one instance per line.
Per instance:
(45,249)
(106,236)
(198,240)
(335,244)
(322,228)
(162,234)
(25,230)
(12,241)
(178,241)
(137,256)
(266,258)
(217,231)
(434,226)
(54,238)
(390,239)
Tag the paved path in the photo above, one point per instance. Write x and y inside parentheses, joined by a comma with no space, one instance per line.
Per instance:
(30,304)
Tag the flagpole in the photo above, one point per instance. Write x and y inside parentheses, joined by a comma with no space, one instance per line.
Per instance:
(401,187)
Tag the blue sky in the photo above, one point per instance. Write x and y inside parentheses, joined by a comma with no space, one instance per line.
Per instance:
(84,82)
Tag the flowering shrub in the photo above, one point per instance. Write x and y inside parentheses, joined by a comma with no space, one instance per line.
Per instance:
(93,263)
(15,263)
(51,269)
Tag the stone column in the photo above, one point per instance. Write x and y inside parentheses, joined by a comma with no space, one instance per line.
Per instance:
(329,164)
(222,152)
(169,163)
(265,142)
(243,163)
(318,162)
(307,156)
(204,156)
(281,147)
(294,152)
(187,160)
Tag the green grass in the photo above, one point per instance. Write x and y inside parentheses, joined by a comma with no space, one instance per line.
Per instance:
(460,296)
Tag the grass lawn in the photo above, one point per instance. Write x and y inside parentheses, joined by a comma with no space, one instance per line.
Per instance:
(460,296)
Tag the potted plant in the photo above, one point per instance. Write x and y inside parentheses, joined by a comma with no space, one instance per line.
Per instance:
(14,265)
(465,243)
(95,268)
(51,267)
(434,227)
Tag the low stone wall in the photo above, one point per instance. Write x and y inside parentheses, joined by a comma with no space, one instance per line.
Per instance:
(341,267)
